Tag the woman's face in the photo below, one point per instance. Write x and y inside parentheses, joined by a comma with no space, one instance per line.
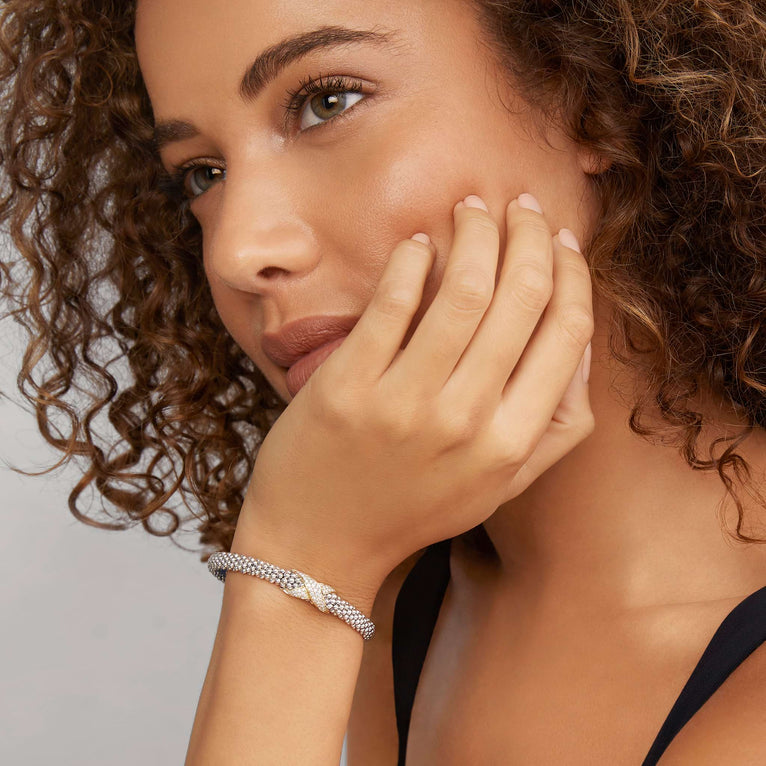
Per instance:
(315,198)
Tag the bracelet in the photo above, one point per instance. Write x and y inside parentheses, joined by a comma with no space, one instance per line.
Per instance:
(294,583)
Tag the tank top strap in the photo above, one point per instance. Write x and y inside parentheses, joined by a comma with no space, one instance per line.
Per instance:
(415,614)
(417,610)
(738,636)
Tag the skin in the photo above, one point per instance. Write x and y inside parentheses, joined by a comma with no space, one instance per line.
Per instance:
(615,556)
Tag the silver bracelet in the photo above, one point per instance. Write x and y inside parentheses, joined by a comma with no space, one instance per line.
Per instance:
(294,583)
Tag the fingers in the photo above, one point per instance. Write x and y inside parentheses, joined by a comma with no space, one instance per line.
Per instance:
(380,331)
(523,291)
(464,295)
(554,353)
(572,422)
(512,349)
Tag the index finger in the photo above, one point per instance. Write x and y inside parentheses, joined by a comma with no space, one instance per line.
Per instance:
(378,335)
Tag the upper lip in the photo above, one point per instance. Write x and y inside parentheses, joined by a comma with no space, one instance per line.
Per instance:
(298,338)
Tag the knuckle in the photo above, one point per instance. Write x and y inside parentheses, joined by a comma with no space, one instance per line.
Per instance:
(576,325)
(575,270)
(585,426)
(482,223)
(536,226)
(511,451)
(397,423)
(532,287)
(394,298)
(510,446)
(589,422)
(579,267)
(333,407)
(457,425)
(468,288)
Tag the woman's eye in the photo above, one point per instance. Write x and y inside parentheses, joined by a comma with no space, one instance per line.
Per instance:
(324,106)
(199,178)
(327,101)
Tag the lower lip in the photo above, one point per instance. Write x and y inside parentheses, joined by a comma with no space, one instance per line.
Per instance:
(302,370)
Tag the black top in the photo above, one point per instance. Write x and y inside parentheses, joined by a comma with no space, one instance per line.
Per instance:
(417,608)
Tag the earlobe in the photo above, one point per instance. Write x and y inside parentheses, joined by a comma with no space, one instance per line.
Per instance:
(592,163)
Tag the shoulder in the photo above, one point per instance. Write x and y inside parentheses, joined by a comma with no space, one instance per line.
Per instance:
(731,726)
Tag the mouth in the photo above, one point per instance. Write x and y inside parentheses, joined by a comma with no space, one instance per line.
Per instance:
(300,371)
(301,345)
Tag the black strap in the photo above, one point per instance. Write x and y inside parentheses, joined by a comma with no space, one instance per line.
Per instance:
(415,614)
(417,609)
(738,636)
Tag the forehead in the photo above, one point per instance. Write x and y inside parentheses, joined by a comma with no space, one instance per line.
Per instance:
(205,46)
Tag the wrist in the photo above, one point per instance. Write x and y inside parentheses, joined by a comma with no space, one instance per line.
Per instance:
(353,580)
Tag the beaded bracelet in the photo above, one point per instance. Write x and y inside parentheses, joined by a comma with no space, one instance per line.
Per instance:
(294,583)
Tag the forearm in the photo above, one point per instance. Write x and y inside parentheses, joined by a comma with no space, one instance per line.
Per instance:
(281,678)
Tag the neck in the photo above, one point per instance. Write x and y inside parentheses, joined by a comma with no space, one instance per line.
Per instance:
(625,521)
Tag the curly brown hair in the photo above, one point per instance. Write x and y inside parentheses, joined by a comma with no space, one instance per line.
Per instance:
(672,95)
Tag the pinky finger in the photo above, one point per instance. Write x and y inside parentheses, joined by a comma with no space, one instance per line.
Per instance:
(378,335)
(571,424)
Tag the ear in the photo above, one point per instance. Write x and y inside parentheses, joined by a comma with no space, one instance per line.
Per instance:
(591,162)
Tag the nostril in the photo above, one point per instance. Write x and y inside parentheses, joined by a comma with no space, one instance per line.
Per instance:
(269,271)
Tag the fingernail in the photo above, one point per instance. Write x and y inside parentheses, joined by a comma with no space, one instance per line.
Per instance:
(568,239)
(528,202)
(473,201)
(586,362)
(420,237)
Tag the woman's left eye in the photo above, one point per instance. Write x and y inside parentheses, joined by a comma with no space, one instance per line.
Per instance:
(319,100)
(325,106)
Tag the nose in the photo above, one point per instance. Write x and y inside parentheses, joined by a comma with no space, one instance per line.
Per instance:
(258,237)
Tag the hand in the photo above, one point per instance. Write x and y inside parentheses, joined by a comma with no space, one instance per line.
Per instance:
(386,450)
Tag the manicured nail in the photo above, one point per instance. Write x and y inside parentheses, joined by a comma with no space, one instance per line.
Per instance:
(420,237)
(586,362)
(528,202)
(568,239)
(473,201)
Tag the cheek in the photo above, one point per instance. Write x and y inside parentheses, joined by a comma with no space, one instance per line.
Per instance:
(235,308)
(241,314)
(420,176)
(411,182)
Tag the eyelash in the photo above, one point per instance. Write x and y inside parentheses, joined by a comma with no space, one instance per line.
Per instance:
(312,86)
(174,186)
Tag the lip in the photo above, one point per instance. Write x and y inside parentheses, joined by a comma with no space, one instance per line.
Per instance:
(299,338)
(305,367)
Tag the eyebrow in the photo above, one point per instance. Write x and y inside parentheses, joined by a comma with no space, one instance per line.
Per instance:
(269,64)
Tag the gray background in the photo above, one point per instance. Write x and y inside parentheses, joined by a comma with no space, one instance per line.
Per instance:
(106,636)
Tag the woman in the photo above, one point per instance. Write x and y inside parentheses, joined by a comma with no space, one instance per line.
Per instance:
(255,164)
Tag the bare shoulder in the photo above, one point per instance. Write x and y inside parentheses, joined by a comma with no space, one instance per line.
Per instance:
(731,726)
(372,737)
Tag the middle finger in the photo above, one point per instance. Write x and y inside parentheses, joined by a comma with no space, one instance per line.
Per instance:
(451,320)
(523,291)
